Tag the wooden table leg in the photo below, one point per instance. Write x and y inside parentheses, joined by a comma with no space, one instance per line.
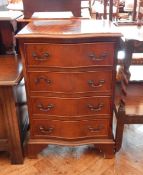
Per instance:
(15,148)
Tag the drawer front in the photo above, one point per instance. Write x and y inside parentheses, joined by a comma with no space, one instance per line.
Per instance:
(71,82)
(69,55)
(65,129)
(71,106)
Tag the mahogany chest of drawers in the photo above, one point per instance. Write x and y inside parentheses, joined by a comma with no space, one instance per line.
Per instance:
(69,70)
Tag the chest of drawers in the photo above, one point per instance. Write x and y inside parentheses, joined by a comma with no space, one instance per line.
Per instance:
(69,70)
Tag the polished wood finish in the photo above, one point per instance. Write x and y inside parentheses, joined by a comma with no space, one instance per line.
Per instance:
(11,70)
(70,29)
(47,5)
(59,51)
(51,129)
(10,134)
(82,81)
(65,113)
(92,105)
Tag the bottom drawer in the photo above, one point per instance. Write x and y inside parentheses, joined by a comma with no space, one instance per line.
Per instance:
(69,129)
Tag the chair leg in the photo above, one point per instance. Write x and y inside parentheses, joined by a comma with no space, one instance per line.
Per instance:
(119,129)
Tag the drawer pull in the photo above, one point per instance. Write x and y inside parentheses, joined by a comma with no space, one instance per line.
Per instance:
(42,57)
(95,108)
(98,128)
(94,85)
(45,109)
(98,58)
(46,131)
(38,79)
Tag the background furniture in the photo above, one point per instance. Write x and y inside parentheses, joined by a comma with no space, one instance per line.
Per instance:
(54,10)
(69,68)
(13,112)
(51,5)
(21,21)
(104,9)
(133,44)
(8,27)
(13,118)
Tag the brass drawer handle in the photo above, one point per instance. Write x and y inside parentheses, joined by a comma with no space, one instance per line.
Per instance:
(98,58)
(45,109)
(43,57)
(94,85)
(38,79)
(95,108)
(46,131)
(97,129)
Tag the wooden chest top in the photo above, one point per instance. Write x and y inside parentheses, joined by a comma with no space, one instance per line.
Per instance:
(69,28)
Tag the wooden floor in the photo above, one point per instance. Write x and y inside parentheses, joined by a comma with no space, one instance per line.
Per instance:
(85,160)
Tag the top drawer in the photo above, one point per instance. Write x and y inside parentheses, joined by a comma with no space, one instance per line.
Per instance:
(69,55)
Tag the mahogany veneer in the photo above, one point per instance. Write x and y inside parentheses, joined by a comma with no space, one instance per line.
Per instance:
(70,69)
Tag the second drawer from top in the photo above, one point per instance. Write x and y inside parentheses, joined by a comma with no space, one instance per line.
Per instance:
(71,82)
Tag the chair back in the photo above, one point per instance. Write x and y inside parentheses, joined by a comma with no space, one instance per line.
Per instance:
(104,8)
